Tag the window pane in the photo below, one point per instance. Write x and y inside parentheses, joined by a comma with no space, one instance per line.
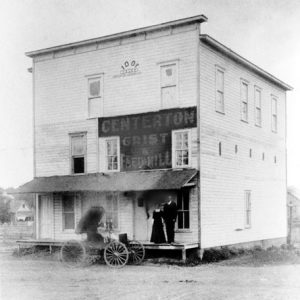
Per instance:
(220,80)
(69,221)
(257,98)
(169,97)
(274,106)
(244,92)
(94,88)
(178,137)
(258,116)
(78,165)
(274,123)
(186,219)
(244,111)
(186,201)
(68,204)
(220,102)
(168,75)
(180,220)
(94,107)
(78,145)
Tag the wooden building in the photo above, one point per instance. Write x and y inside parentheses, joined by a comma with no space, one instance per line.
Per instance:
(124,121)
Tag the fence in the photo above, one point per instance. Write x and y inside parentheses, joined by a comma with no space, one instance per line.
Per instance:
(20,230)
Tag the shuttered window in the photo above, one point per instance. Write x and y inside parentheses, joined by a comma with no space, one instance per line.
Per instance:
(169,85)
(244,101)
(95,96)
(258,115)
(220,90)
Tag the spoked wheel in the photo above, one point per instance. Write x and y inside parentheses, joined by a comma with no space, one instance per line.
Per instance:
(116,254)
(73,253)
(136,252)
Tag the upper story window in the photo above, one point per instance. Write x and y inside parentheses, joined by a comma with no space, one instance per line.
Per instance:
(169,84)
(181,148)
(220,90)
(95,96)
(112,147)
(274,114)
(78,153)
(244,101)
(258,116)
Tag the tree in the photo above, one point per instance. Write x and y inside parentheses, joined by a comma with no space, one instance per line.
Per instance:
(4,208)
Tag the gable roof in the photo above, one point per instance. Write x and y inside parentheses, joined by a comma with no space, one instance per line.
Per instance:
(129,33)
(243,61)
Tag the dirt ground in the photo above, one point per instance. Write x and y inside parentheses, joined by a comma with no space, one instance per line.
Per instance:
(27,278)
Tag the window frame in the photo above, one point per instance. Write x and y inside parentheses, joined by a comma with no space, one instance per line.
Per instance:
(180,197)
(84,137)
(174,133)
(218,70)
(100,97)
(73,198)
(248,208)
(258,107)
(274,98)
(105,140)
(176,85)
(246,83)
(114,195)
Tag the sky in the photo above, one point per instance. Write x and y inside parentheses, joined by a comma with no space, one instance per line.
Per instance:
(266,32)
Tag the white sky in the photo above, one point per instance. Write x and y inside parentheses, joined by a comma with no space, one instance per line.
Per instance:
(264,31)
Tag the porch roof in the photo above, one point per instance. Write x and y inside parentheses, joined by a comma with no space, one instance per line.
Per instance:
(118,181)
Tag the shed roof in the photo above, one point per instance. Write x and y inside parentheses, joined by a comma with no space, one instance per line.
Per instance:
(119,181)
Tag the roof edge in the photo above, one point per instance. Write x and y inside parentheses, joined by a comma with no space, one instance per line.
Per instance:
(189,20)
(233,55)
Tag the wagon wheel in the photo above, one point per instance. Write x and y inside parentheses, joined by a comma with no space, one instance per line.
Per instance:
(116,254)
(136,252)
(73,252)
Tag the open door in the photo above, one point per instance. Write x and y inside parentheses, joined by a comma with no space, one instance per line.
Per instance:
(45,217)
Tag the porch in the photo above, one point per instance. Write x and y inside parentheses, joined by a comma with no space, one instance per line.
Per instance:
(182,247)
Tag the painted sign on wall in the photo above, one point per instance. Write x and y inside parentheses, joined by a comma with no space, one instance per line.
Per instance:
(145,139)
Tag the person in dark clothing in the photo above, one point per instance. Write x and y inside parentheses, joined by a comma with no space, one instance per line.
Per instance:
(89,224)
(158,235)
(170,215)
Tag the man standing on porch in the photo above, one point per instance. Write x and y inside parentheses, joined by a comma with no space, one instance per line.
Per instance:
(170,215)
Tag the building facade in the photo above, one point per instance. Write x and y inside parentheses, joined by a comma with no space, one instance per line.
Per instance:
(127,120)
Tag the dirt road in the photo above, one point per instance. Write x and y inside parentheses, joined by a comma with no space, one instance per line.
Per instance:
(23,278)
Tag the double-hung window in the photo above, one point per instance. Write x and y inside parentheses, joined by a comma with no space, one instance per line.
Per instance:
(258,115)
(112,156)
(181,148)
(220,90)
(169,84)
(95,96)
(78,153)
(247,209)
(68,211)
(244,101)
(274,113)
(183,209)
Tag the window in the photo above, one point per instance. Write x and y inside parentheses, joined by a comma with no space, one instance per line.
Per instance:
(78,153)
(112,157)
(247,209)
(257,95)
(68,205)
(112,209)
(274,114)
(95,96)
(244,101)
(183,209)
(219,90)
(181,146)
(168,85)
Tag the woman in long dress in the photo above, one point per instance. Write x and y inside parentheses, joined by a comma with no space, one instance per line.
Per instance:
(158,235)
